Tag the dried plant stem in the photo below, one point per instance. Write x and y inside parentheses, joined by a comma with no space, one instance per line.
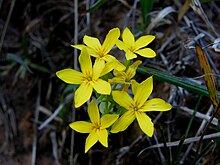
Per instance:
(206,127)
(34,147)
(6,24)
(56,112)
(197,133)
(76,68)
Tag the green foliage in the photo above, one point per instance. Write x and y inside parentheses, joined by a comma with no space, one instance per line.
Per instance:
(39,68)
(146,8)
(97,5)
(17,59)
(67,90)
(178,81)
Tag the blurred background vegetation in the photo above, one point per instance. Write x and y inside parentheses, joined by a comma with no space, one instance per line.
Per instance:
(36,107)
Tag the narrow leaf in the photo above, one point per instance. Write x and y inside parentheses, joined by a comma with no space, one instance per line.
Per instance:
(96,5)
(183,9)
(19,60)
(146,7)
(208,77)
(178,81)
(39,68)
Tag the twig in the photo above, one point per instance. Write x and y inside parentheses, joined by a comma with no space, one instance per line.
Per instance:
(197,7)
(163,13)
(3,118)
(54,147)
(48,113)
(187,141)
(198,132)
(76,68)
(6,24)
(56,112)
(75,33)
(124,150)
(34,147)
(159,150)
(200,115)
(192,25)
(129,14)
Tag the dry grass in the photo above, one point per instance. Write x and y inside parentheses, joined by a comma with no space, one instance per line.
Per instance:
(35,39)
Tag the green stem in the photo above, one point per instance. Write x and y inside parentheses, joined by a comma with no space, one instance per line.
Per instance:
(178,81)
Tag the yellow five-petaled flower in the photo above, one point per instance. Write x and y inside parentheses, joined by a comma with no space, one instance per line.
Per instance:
(88,79)
(125,77)
(96,128)
(101,52)
(132,47)
(138,106)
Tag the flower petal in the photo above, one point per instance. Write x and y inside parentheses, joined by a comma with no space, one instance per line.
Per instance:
(79,46)
(143,91)
(121,45)
(92,52)
(130,55)
(128,37)
(145,123)
(110,40)
(123,99)
(134,86)
(119,73)
(108,58)
(155,104)
(132,69)
(102,87)
(108,119)
(92,42)
(123,122)
(93,112)
(81,126)
(103,137)
(98,66)
(70,76)
(119,66)
(91,140)
(85,62)
(117,80)
(143,41)
(109,66)
(82,94)
(146,52)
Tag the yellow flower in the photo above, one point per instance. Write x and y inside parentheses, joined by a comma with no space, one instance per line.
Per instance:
(100,52)
(138,106)
(132,47)
(88,79)
(96,128)
(124,77)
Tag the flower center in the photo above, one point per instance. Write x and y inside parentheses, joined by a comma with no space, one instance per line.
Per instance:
(101,54)
(132,48)
(89,78)
(135,108)
(97,126)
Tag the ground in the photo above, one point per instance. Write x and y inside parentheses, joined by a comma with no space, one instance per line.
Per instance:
(35,43)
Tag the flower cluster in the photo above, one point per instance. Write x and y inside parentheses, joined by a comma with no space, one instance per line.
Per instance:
(111,80)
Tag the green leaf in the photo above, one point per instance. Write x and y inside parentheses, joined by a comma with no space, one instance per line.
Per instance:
(96,5)
(69,88)
(19,60)
(178,81)
(146,8)
(39,68)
